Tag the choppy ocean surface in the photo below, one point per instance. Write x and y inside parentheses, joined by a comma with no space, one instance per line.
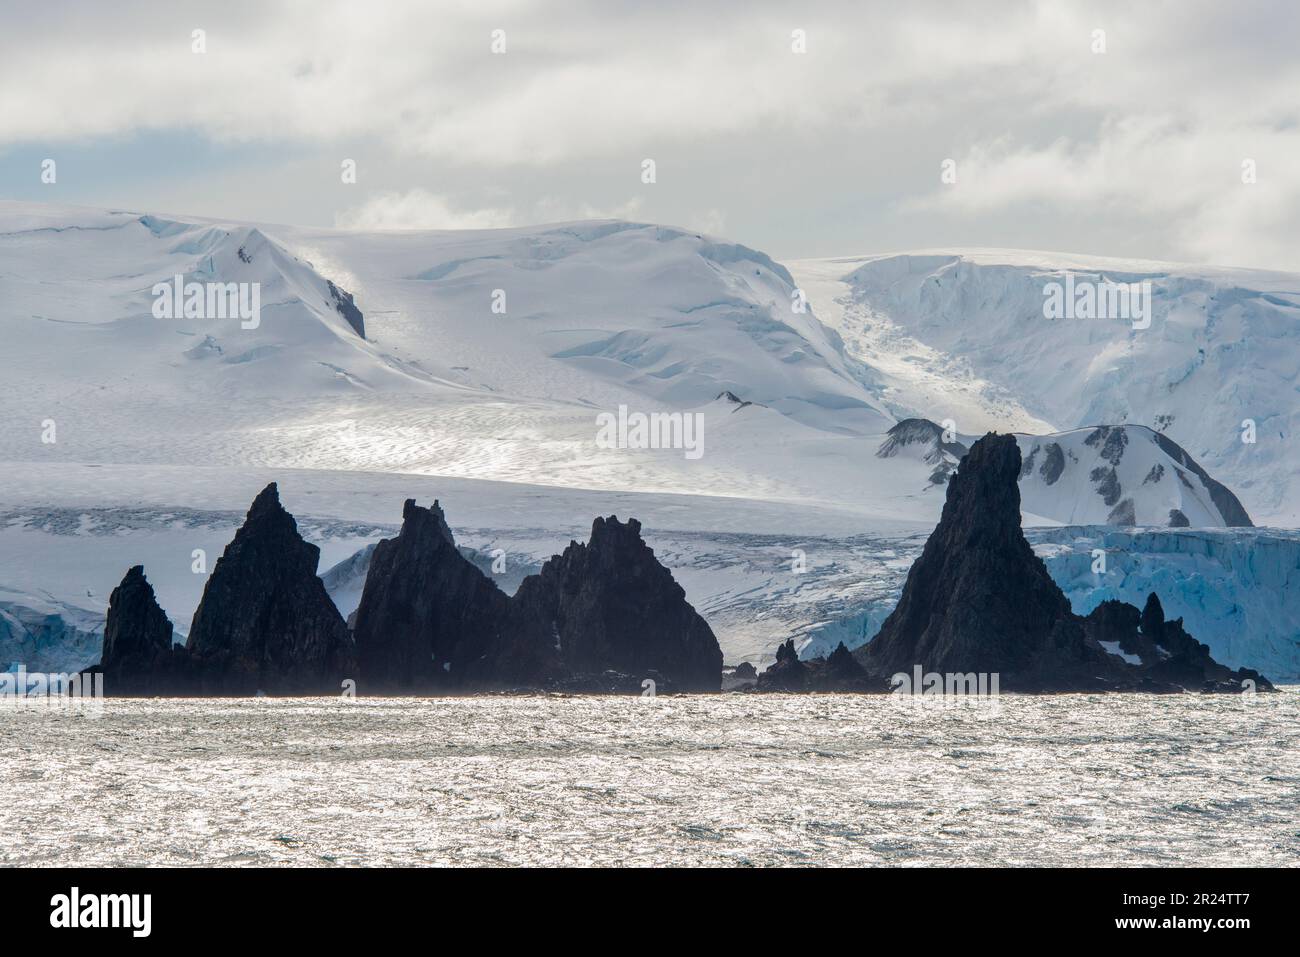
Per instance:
(707,780)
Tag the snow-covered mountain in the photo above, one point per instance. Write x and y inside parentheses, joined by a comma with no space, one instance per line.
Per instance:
(487,354)
(472,367)
(1107,475)
(482,353)
(962,336)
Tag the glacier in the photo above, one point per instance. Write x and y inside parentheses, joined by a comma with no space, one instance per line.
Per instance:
(1237,590)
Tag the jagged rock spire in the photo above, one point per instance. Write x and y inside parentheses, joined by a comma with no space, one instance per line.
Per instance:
(978,598)
(429,619)
(137,656)
(979,601)
(611,605)
(1153,618)
(265,622)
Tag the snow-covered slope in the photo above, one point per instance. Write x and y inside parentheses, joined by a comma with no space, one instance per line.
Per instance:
(486,353)
(1108,475)
(962,336)
(483,353)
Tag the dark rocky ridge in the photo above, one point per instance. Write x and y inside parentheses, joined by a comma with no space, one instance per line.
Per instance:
(837,672)
(265,622)
(603,616)
(1171,658)
(347,308)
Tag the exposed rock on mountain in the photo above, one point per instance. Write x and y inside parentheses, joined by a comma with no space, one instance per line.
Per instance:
(924,437)
(734,399)
(610,605)
(1121,475)
(347,308)
(979,600)
(1114,475)
(1234,513)
(139,658)
(265,622)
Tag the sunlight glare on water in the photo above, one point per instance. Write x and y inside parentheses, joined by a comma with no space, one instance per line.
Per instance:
(704,780)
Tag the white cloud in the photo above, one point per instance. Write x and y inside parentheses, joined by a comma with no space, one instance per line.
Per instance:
(599,79)
(1054,143)
(711,221)
(421,209)
(1147,170)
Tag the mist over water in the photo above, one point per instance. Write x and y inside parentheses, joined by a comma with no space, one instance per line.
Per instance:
(697,780)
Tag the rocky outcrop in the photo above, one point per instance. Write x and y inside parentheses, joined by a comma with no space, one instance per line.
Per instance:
(787,673)
(139,657)
(605,616)
(609,605)
(1153,618)
(740,678)
(430,620)
(837,672)
(1229,506)
(265,622)
(979,600)
(842,669)
(347,308)
(1171,659)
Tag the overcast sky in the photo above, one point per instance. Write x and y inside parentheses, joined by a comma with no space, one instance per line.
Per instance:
(1137,151)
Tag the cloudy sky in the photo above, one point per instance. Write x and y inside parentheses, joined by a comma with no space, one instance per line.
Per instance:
(1134,151)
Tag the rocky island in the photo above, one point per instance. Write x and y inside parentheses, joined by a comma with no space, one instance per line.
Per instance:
(603,616)
(979,601)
